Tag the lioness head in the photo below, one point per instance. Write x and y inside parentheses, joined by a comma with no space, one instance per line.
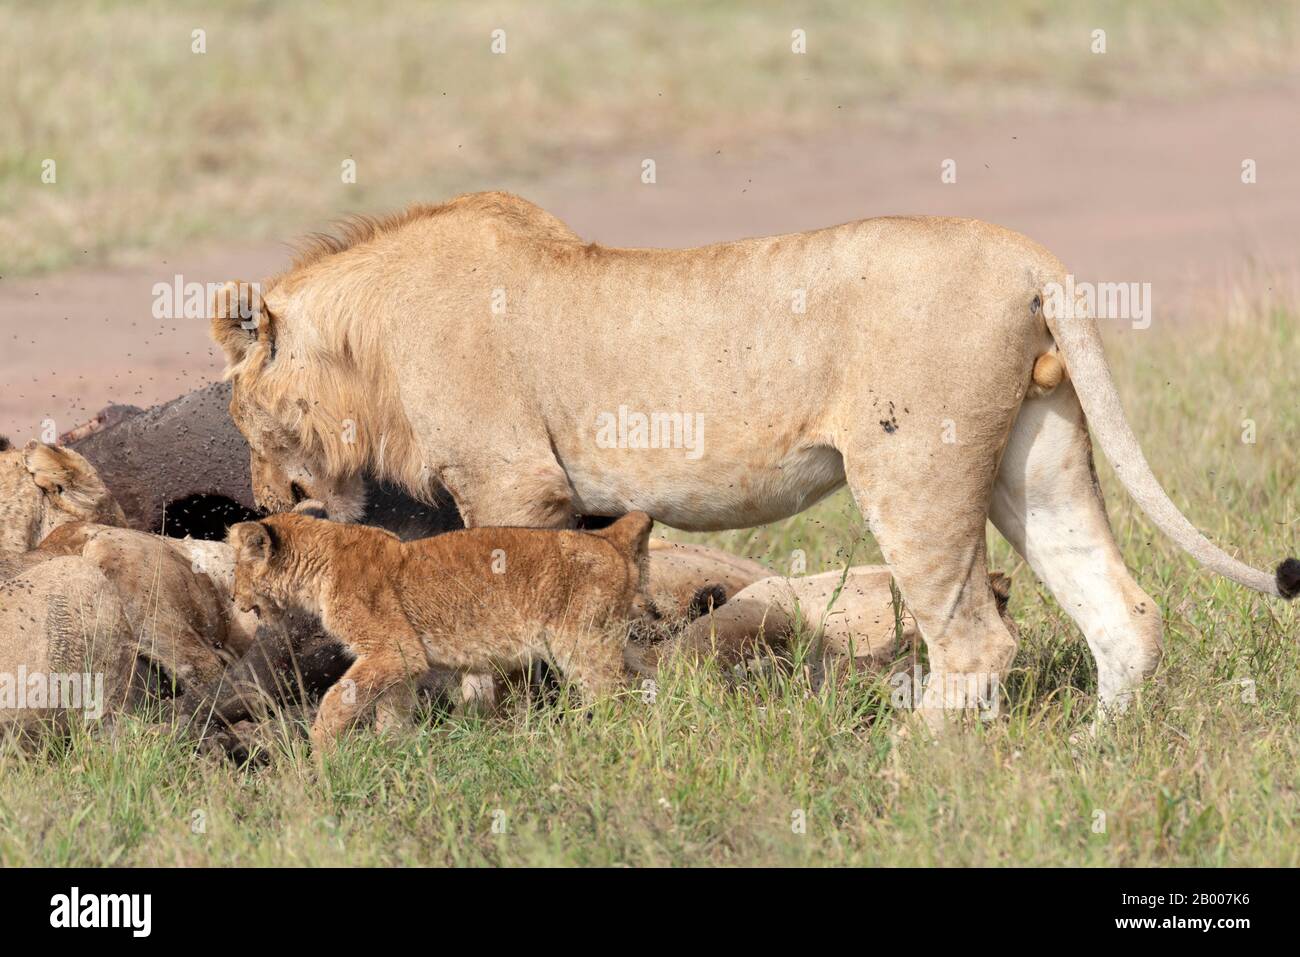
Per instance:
(44,486)
(296,407)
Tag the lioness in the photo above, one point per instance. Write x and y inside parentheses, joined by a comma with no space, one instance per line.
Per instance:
(471,601)
(65,646)
(480,345)
(681,575)
(44,486)
(176,593)
(851,612)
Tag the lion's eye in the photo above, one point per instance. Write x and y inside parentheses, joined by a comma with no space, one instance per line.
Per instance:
(1035,305)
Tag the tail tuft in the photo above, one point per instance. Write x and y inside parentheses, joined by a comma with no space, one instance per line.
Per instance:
(705,600)
(1288,578)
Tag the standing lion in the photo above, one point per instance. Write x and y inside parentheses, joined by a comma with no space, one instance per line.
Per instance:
(482,347)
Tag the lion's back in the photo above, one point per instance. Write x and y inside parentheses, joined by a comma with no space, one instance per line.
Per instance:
(515,577)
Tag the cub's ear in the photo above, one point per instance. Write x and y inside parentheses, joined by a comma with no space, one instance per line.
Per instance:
(251,541)
(630,534)
(5,445)
(239,319)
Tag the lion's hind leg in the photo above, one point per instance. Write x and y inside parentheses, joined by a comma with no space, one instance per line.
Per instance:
(1047,504)
(939,563)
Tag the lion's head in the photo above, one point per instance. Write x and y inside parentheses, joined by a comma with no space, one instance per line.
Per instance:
(263,582)
(283,477)
(44,486)
(303,409)
(314,361)
(280,561)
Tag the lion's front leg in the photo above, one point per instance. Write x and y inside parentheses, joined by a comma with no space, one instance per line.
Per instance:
(529,493)
(352,696)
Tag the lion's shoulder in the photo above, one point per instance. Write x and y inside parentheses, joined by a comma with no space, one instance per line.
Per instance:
(493,210)
(508,211)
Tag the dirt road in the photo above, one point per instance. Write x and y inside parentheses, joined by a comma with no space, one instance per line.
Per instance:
(1152,193)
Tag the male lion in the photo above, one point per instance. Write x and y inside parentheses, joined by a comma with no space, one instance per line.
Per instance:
(481,346)
(472,601)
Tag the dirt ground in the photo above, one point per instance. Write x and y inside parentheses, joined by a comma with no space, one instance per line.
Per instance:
(1147,193)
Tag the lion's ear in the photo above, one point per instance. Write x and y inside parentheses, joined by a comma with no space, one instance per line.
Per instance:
(61,471)
(239,319)
(312,508)
(72,483)
(251,541)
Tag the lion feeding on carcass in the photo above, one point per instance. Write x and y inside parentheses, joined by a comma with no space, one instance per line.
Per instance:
(482,347)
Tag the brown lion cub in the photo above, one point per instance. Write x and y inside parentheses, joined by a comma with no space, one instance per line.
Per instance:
(476,600)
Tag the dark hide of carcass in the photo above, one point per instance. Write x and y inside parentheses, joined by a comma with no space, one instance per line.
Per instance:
(291,662)
(182,468)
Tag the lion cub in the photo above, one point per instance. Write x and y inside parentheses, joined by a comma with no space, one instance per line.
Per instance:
(475,600)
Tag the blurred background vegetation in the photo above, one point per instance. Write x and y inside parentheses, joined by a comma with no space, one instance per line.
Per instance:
(156,144)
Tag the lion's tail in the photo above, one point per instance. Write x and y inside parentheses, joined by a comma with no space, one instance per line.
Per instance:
(1085,361)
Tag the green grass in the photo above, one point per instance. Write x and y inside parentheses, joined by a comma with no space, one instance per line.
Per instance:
(156,145)
(1203,771)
